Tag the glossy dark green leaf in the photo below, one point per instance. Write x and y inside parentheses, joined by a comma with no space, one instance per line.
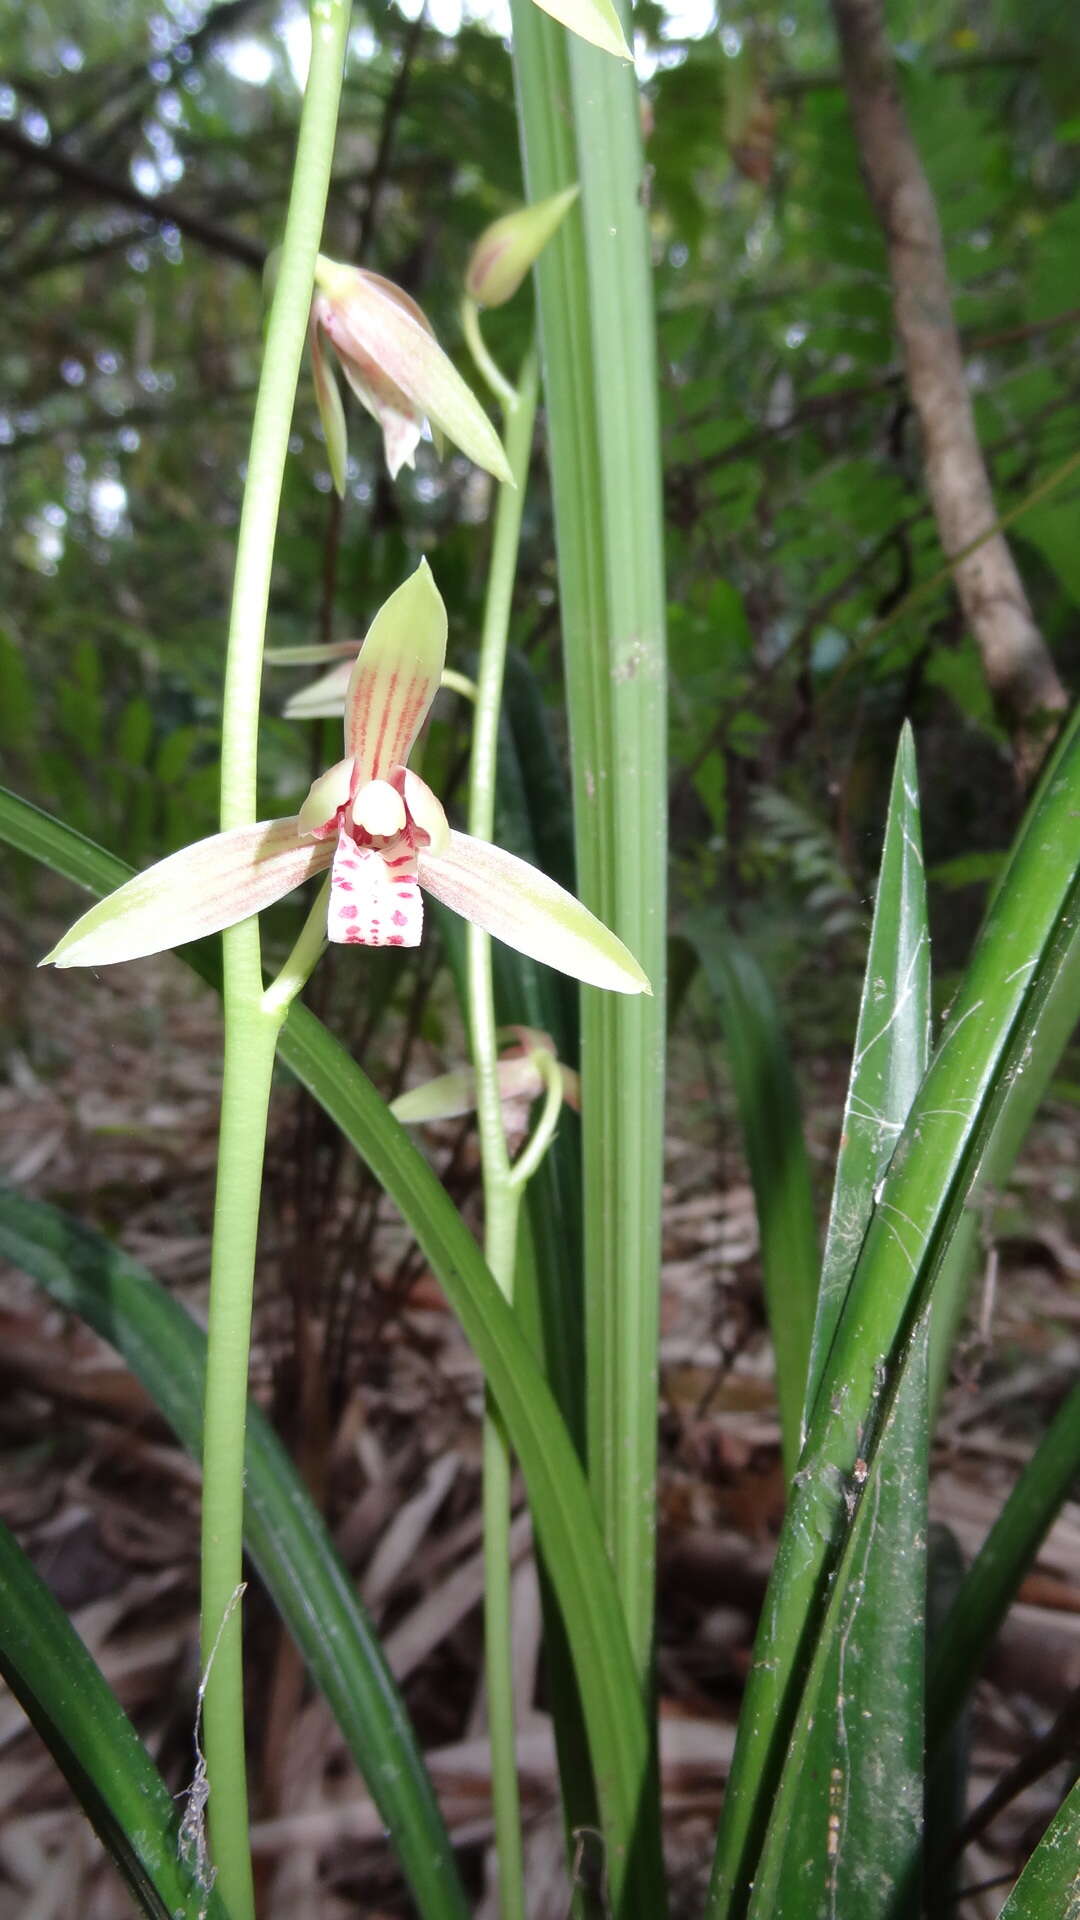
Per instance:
(65,1695)
(845,1830)
(1048,1887)
(1028,953)
(771,1125)
(992,1580)
(945,1784)
(846,1825)
(621,1749)
(284,1534)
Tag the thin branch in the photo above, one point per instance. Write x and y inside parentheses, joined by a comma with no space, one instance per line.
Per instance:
(787,86)
(821,405)
(393,109)
(234,402)
(1019,670)
(162,209)
(131,92)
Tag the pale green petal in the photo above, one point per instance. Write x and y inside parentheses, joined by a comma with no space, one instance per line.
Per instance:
(426,810)
(199,890)
(593,20)
(331,412)
(322,699)
(313,656)
(453,1094)
(325,795)
(396,676)
(401,423)
(523,908)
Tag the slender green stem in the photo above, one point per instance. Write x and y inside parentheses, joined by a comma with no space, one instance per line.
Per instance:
(501,1194)
(250,1031)
(505,394)
(250,1045)
(458,683)
(543,1133)
(285,335)
(501,1207)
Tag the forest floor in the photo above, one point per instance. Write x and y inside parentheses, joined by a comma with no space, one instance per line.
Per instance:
(110,1112)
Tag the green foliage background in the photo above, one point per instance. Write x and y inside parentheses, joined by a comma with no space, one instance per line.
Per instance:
(144,162)
(797,522)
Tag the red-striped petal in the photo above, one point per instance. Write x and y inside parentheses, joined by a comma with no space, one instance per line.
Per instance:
(396,677)
(200,890)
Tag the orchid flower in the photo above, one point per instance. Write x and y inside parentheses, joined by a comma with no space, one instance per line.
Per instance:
(380,830)
(397,370)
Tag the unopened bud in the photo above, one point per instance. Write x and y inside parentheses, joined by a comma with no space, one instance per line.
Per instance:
(508,248)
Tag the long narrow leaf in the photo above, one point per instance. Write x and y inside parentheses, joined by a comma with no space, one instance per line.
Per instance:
(844,1837)
(1028,950)
(1047,1889)
(94,1744)
(1057,1022)
(619,1740)
(580,120)
(846,1822)
(892,1048)
(526,809)
(991,1582)
(769,1118)
(284,1534)
(533,819)
(558,1496)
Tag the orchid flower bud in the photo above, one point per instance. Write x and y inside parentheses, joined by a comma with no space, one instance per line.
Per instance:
(507,249)
(519,1079)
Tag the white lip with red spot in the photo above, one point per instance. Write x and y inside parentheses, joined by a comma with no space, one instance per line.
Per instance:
(381,815)
(375,896)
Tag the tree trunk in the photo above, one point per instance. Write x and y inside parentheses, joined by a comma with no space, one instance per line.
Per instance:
(1019,670)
